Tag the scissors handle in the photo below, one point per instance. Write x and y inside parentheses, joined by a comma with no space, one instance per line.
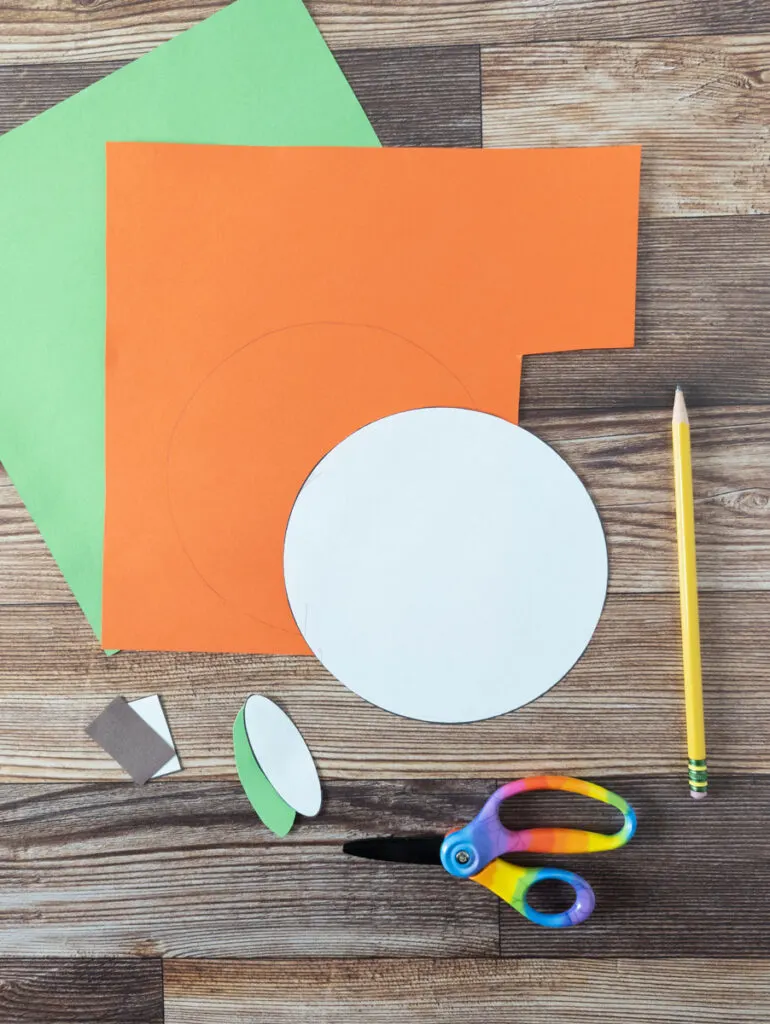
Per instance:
(471,848)
(474,851)
(512,883)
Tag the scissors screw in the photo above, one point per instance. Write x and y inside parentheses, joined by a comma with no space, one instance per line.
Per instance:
(462,857)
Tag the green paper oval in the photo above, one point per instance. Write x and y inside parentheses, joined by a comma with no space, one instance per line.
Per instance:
(271,809)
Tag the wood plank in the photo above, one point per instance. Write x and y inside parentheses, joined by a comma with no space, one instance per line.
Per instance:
(424,96)
(621,706)
(699,107)
(624,458)
(26,90)
(393,22)
(59,30)
(467,991)
(428,96)
(28,573)
(187,870)
(702,319)
(690,883)
(58,991)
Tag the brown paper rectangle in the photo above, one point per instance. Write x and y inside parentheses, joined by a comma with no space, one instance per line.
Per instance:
(130,740)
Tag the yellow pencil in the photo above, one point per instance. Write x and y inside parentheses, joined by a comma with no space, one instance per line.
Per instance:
(688,601)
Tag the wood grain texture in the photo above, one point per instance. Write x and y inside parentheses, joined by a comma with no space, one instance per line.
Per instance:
(624,459)
(186,869)
(424,96)
(58,991)
(182,868)
(62,30)
(26,90)
(621,707)
(176,869)
(396,22)
(467,992)
(702,320)
(686,884)
(428,96)
(699,107)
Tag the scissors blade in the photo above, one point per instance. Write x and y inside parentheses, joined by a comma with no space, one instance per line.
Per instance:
(404,850)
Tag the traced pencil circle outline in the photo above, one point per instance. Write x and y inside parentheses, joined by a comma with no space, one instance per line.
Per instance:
(193,395)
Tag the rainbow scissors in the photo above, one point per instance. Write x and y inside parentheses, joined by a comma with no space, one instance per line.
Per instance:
(474,851)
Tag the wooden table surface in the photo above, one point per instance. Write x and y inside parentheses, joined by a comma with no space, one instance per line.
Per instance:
(170,902)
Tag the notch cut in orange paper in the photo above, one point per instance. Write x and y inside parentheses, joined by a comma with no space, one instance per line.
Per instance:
(264,303)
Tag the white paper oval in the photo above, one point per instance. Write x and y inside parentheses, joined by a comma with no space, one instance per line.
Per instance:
(282,754)
(445,564)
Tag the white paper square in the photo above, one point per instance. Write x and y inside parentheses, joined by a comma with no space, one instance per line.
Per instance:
(151,710)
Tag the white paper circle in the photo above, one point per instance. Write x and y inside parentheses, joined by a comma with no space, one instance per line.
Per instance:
(282,754)
(445,564)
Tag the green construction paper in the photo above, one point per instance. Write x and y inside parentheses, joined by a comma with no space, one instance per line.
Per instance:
(271,809)
(256,73)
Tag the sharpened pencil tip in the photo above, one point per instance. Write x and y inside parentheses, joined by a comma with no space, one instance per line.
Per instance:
(680,409)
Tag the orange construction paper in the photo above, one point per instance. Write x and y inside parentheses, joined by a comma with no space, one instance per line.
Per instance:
(264,303)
